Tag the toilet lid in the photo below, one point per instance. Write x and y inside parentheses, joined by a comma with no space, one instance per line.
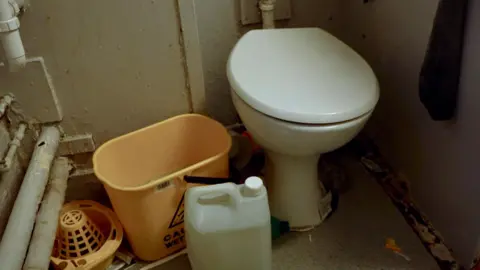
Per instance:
(302,75)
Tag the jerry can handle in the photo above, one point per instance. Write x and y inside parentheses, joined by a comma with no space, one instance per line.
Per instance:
(194,194)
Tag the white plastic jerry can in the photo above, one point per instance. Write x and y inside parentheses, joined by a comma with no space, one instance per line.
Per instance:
(227,227)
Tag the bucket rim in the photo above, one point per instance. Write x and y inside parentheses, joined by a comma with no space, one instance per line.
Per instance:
(177,174)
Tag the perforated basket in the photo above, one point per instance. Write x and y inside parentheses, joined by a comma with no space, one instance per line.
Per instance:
(88,236)
(79,235)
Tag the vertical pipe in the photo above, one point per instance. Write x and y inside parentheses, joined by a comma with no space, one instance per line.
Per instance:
(268,13)
(6,10)
(16,237)
(13,49)
(7,161)
(41,245)
(20,3)
(10,181)
(5,102)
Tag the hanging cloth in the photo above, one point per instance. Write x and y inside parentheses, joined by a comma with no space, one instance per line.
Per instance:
(441,69)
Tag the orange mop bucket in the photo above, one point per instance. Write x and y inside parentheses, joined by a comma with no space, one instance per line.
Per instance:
(143,174)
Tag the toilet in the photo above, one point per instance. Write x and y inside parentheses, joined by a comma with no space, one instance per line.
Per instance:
(300,93)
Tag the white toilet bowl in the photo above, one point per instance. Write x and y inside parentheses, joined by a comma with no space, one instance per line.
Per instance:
(300,93)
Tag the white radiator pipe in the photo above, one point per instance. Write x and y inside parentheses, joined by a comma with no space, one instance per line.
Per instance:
(16,237)
(268,13)
(41,245)
(20,3)
(14,144)
(13,49)
(5,102)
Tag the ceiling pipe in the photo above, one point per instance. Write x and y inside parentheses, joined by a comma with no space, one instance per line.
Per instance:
(13,50)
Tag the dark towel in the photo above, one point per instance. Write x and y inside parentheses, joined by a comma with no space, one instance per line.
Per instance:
(441,70)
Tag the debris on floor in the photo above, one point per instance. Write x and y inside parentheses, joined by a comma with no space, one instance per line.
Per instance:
(392,245)
(397,188)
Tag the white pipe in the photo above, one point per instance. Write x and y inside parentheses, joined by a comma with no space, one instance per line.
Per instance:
(41,245)
(5,102)
(16,237)
(7,161)
(13,49)
(20,3)
(268,13)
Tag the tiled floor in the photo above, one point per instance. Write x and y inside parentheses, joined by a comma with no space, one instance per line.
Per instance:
(352,238)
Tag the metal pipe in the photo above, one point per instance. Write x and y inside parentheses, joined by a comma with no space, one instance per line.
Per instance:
(268,13)
(7,161)
(16,237)
(41,245)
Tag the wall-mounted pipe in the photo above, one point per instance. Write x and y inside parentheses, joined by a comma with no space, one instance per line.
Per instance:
(13,49)
(10,182)
(268,13)
(20,3)
(16,237)
(14,144)
(43,237)
(5,102)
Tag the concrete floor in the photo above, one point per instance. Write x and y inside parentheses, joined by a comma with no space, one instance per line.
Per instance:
(352,238)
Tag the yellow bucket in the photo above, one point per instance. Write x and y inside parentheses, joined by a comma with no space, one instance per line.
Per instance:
(143,175)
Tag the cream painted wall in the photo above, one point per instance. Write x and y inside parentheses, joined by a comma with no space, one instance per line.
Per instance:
(219,29)
(438,158)
(116,64)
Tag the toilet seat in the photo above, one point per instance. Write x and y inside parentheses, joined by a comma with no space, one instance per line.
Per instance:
(302,75)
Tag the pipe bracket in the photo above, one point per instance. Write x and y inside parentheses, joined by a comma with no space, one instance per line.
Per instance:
(9,25)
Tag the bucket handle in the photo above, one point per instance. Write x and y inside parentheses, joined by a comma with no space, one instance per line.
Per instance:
(209,180)
(230,189)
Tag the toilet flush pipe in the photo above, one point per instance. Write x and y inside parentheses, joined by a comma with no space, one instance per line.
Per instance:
(268,13)
(16,237)
(13,49)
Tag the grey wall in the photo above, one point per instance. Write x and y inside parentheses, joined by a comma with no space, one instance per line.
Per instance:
(440,159)
(116,65)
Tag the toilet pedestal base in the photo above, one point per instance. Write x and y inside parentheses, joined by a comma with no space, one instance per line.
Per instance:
(295,193)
